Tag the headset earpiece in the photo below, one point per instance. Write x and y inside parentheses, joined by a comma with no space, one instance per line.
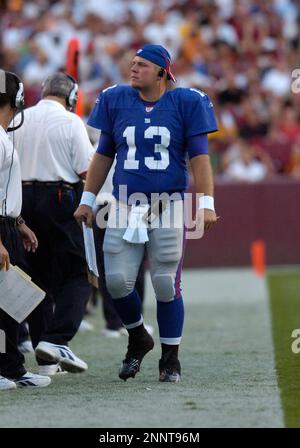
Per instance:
(17,99)
(161,73)
(73,95)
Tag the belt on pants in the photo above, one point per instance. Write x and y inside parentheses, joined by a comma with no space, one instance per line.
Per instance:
(8,220)
(37,183)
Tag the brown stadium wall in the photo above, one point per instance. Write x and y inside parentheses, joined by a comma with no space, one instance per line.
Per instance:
(267,210)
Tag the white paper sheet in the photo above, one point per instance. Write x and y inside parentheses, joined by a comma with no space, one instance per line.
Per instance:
(90,253)
(19,296)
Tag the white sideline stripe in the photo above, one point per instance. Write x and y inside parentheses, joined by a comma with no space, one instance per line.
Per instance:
(236,303)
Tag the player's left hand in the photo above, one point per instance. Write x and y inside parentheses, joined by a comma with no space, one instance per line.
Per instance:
(210,218)
(30,241)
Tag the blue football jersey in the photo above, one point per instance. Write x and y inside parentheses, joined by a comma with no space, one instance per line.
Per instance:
(150,142)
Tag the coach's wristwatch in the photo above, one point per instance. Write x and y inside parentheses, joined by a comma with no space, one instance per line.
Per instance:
(20,220)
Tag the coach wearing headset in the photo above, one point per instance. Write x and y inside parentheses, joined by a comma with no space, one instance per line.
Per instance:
(54,151)
(12,231)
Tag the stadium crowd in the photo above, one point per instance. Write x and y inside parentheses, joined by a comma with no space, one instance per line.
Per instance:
(241,52)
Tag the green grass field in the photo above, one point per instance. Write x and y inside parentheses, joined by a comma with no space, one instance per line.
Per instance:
(232,376)
(284,287)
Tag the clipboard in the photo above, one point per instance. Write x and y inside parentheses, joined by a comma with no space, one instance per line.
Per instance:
(19,296)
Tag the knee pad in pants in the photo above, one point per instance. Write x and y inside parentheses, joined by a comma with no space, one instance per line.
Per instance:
(163,285)
(118,286)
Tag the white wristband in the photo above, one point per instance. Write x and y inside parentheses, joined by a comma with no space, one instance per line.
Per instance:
(88,198)
(206,202)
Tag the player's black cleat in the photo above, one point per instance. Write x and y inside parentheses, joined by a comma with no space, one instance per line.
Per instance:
(169,376)
(129,368)
(169,368)
(136,351)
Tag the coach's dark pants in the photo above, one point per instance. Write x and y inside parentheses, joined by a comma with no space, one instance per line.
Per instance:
(11,362)
(59,265)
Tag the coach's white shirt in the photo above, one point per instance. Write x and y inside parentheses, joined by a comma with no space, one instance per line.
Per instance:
(53,144)
(10,178)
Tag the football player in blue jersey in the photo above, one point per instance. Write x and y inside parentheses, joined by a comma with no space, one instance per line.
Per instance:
(151,130)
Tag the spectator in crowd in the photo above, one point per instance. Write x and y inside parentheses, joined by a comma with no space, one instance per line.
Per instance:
(294,161)
(277,145)
(249,165)
(290,123)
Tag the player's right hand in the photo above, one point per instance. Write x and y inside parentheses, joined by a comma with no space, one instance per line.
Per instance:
(4,258)
(84,213)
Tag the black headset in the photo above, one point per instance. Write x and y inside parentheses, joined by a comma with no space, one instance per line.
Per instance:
(72,98)
(18,100)
(161,73)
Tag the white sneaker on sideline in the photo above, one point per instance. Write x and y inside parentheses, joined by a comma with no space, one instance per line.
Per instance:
(32,380)
(51,370)
(6,384)
(60,354)
(85,326)
(110,333)
(26,347)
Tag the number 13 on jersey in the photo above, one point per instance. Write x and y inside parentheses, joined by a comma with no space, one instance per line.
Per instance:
(161,148)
